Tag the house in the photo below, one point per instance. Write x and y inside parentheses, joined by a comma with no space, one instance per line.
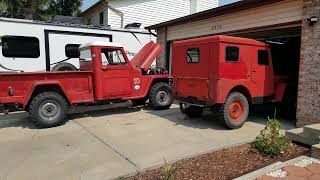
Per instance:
(291,27)
(119,13)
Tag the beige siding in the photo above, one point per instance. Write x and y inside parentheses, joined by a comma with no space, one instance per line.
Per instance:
(114,19)
(206,4)
(278,13)
(148,12)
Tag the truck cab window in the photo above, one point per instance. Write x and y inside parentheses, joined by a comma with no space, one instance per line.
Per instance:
(20,47)
(263,57)
(112,57)
(85,55)
(232,54)
(193,55)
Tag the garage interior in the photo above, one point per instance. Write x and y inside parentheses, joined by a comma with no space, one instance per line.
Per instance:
(285,44)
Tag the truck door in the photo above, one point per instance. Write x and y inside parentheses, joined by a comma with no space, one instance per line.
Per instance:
(262,72)
(115,74)
(190,65)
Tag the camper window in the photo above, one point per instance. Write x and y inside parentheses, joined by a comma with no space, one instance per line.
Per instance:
(72,50)
(20,47)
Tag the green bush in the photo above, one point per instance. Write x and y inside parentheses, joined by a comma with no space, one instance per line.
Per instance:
(269,141)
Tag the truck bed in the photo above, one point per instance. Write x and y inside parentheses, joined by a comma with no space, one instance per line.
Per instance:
(18,87)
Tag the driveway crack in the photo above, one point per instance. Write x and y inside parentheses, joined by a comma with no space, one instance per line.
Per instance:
(106,144)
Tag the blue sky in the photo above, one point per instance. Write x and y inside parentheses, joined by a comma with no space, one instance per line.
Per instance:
(88,3)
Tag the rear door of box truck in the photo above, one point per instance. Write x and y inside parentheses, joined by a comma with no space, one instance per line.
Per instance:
(190,70)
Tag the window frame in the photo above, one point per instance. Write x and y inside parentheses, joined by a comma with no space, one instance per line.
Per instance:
(267,56)
(225,54)
(187,54)
(101,18)
(37,52)
(116,51)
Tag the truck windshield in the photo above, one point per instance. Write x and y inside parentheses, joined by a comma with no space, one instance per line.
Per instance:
(85,55)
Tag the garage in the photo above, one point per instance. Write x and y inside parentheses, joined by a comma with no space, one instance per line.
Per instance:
(289,26)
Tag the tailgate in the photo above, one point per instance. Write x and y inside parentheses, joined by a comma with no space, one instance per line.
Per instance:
(191,87)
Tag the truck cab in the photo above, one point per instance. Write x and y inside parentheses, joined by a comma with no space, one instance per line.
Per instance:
(225,73)
(115,77)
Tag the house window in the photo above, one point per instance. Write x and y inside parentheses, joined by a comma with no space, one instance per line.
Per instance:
(72,50)
(89,21)
(232,54)
(263,57)
(193,55)
(20,47)
(102,17)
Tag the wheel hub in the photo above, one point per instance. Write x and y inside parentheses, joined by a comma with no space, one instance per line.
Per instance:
(162,97)
(236,110)
(49,110)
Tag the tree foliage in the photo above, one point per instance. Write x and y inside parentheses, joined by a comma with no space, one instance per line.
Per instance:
(39,9)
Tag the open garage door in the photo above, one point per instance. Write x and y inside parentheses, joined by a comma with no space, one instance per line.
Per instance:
(285,46)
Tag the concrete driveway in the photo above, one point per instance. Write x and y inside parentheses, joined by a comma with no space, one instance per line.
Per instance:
(110,143)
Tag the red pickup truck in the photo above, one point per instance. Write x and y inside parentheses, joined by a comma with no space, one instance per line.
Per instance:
(105,75)
(224,73)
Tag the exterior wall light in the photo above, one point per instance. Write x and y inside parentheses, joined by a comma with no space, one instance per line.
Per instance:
(312,20)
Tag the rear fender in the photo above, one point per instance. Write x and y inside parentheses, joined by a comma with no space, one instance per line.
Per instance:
(41,87)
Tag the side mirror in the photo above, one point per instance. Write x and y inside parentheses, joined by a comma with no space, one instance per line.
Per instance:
(72,50)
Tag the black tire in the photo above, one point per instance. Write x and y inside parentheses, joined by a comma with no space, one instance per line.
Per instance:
(194,111)
(139,102)
(48,109)
(64,67)
(183,108)
(160,96)
(234,112)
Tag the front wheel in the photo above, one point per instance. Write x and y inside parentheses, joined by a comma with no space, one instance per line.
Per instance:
(234,112)
(160,96)
(48,109)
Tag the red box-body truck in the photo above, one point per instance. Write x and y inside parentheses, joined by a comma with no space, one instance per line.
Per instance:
(224,73)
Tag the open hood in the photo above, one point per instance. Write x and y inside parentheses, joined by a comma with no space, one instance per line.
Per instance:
(145,57)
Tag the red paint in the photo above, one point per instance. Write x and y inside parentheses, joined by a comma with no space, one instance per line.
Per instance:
(94,82)
(212,79)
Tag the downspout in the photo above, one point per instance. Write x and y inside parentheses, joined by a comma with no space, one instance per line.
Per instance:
(121,14)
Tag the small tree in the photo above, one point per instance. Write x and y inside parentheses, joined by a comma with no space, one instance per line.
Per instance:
(269,141)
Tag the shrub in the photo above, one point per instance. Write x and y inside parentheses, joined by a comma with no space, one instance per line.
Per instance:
(269,141)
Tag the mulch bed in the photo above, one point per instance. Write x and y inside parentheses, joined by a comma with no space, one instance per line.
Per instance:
(224,164)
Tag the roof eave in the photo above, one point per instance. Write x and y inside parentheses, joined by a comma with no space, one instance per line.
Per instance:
(97,4)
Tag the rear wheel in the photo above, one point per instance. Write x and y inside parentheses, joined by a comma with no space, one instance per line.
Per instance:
(160,96)
(234,112)
(48,109)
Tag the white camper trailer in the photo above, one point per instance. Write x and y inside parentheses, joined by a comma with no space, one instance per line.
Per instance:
(44,46)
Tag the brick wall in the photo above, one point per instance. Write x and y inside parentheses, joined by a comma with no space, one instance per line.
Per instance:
(308,107)
(161,39)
